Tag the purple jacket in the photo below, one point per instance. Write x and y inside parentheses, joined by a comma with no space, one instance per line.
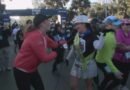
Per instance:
(123,39)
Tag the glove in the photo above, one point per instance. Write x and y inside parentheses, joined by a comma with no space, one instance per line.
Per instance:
(98,44)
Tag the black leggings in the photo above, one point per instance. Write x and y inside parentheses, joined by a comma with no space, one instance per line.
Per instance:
(59,59)
(124,68)
(110,81)
(25,80)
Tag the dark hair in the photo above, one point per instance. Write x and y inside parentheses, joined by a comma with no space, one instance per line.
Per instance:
(39,18)
(88,25)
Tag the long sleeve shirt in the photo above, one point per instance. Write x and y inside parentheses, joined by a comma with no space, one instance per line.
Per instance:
(34,51)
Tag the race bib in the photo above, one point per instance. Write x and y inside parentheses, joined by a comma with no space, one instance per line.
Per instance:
(82,45)
(127,55)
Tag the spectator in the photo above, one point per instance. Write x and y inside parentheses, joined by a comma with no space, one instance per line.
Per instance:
(60,37)
(19,37)
(14,33)
(32,53)
(28,26)
(4,48)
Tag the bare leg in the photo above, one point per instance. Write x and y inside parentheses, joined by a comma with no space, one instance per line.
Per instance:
(89,83)
(74,83)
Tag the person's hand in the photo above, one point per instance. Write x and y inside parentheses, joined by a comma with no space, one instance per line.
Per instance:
(54,54)
(61,42)
(118,75)
(120,45)
(128,47)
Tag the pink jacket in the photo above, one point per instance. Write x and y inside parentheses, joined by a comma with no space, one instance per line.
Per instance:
(123,39)
(34,51)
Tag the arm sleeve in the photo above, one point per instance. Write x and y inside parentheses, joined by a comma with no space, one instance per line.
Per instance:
(112,66)
(51,43)
(39,49)
(110,51)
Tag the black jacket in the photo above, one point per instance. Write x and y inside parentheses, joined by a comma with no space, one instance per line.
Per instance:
(4,34)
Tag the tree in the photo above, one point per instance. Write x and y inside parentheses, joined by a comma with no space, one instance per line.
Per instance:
(49,3)
(61,3)
(77,6)
(120,8)
(123,7)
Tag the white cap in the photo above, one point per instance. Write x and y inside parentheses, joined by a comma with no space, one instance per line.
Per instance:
(80,19)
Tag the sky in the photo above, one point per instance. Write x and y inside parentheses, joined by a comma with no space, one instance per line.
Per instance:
(22,4)
(18,4)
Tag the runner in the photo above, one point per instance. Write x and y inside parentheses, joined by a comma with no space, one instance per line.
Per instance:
(84,66)
(104,55)
(122,55)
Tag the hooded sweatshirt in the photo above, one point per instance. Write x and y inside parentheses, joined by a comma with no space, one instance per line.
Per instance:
(120,53)
(34,51)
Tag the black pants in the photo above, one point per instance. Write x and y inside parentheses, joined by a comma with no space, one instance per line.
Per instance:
(20,44)
(59,58)
(110,81)
(124,68)
(25,80)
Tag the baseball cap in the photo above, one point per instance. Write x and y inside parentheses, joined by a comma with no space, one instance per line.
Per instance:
(112,20)
(80,19)
(39,18)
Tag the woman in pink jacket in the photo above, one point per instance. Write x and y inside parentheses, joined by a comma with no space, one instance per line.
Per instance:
(122,55)
(32,53)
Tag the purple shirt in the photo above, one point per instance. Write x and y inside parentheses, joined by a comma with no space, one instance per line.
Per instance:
(123,39)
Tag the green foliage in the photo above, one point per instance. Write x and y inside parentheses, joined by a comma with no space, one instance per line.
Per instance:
(60,3)
(120,8)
